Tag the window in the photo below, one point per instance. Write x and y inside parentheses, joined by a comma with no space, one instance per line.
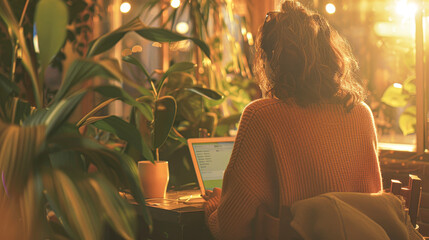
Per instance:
(387,38)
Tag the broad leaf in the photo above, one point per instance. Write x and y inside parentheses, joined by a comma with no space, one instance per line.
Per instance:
(73,206)
(410,85)
(55,115)
(51,24)
(109,40)
(122,129)
(19,146)
(190,106)
(119,212)
(94,111)
(84,69)
(115,92)
(407,121)
(164,35)
(114,164)
(395,97)
(133,60)
(165,113)
(7,87)
(205,92)
(31,208)
(177,67)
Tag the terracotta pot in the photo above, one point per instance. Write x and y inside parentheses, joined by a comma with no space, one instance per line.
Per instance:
(153,178)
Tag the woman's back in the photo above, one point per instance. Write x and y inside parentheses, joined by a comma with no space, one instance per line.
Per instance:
(284,153)
(319,148)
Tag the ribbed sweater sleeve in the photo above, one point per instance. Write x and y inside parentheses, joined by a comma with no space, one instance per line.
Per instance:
(245,174)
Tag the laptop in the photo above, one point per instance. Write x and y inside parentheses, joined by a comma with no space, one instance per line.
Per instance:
(210,157)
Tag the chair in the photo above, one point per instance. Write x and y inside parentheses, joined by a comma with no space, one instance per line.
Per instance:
(411,194)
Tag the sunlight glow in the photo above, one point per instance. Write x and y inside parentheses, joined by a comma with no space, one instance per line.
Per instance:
(406,9)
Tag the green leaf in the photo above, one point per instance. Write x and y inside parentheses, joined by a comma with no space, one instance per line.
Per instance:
(122,129)
(51,20)
(84,69)
(174,134)
(115,92)
(190,107)
(164,35)
(120,214)
(205,92)
(165,113)
(177,67)
(407,121)
(133,60)
(94,111)
(410,85)
(19,147)
(8,17)
(55,115)
(108,40)
(395,97)
(7,87)
(67,160)
(116,165)
(72,205)
(32,214)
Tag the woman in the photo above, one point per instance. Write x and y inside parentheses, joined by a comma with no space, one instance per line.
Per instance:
(311,135)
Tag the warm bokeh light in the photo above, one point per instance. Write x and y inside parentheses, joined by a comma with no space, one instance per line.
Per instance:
(125,7)
(330,8)
(406,9)
(249,38)
(137,48)
(126,52)
(389,29)
(175,3)
(397,85)
(182,27)
(36,43)
(156,44)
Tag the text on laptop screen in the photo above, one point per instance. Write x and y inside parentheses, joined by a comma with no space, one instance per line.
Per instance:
(212,159)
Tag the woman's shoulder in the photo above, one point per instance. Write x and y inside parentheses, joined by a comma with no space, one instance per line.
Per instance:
(362,108)
(261,104)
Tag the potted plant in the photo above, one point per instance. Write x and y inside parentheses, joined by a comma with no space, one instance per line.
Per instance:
(46,186)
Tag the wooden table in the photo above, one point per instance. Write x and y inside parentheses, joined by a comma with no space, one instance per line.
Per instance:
(179,216)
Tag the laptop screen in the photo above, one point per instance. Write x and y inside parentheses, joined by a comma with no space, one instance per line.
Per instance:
(212,159)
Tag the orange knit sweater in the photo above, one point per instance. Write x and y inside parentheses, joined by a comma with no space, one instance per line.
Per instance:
(284,153)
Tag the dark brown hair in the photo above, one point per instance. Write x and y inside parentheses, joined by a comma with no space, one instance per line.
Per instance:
(299,55)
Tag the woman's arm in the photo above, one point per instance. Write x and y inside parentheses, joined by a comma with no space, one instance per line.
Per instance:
(247,180)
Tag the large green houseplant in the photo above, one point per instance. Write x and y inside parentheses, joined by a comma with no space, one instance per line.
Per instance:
(44,159)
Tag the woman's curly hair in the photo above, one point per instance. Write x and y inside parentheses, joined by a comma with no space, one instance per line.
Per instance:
(300,56)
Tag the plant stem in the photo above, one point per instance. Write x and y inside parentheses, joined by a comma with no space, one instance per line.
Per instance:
(13,67)
(157,154)
(23,12)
